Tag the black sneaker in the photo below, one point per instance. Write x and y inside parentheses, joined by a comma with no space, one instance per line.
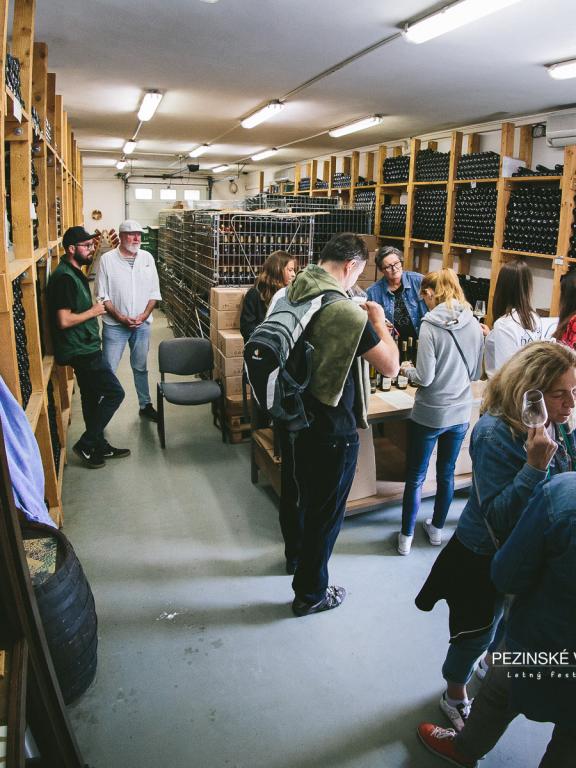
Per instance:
(109,452)
(332,599)
(149,412)
(91,457)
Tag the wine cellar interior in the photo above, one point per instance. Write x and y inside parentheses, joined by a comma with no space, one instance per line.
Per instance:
(453,185)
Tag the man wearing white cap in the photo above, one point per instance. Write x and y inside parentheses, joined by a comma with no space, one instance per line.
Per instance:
(127,282)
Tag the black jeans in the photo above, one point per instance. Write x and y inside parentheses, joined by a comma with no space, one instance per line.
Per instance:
(325,467)
(291,513)
(101,394)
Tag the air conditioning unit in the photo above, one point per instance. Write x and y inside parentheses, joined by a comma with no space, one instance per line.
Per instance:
(561,129)
(286,174)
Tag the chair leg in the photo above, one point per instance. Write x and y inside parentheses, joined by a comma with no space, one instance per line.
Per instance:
(222,418)
(160,409)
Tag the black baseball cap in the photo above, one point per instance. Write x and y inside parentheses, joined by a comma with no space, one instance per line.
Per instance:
(76,235)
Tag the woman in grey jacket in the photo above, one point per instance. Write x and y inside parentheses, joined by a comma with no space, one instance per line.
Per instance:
(450,353)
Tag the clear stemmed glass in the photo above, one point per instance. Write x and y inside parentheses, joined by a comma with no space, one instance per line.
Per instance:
(479,310)
(534,413)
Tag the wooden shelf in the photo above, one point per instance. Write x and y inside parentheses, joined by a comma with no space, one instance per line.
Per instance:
(426,242)
(475,181)
(472,247)
(509,252)
(47,366)
(11,100)
(34,407)
(394,185)
(392,237)
(17,267)
(531,179)
(431,183)
(39,253)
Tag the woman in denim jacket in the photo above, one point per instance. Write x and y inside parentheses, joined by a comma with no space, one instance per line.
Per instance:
(508,463)
(399,293)
(533,674)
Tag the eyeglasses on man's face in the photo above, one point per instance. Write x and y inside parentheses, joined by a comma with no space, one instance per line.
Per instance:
(89,244)
(394,267)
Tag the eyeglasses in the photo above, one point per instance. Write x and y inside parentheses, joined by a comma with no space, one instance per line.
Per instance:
(85,245)
(393,267)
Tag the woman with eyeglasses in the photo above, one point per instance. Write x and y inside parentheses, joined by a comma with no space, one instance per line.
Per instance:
(399,293)
(509,461)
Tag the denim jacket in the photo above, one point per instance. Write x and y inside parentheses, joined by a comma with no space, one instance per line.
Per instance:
(502,483)
(411,281)
(538,565)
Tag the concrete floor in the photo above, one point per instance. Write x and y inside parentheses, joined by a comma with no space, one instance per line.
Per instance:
(201,663)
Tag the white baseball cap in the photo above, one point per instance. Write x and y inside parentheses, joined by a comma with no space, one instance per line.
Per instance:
(130,225)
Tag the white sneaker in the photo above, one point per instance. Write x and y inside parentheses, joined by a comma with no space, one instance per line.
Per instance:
(404,544)
(458,714)
(434,534)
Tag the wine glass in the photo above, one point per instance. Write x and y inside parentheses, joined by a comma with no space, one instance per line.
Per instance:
(534,413)
(479,310)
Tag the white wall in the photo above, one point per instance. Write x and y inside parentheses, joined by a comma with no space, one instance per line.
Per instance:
(103,192)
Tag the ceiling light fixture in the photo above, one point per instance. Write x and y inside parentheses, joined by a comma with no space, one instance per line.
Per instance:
(121,164)
(149,105)
(220,168)
(451,17)
(200,150)
(563,70)
(129,147)
(260,115)
(357,125)
(263,155)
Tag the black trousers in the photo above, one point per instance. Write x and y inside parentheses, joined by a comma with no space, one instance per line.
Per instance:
(325,467)
(291,513)
(101,394)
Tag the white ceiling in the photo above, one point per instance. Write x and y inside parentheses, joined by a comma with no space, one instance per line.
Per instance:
(219,62)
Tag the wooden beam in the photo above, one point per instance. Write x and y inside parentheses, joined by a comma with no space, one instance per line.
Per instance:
(472,143)
(22,45)
(408,247)
(568,188)
(455,154)
(526,143)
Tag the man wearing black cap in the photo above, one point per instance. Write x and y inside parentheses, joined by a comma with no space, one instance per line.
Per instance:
(76,338)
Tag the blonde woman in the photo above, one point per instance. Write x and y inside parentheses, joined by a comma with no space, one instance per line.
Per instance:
(450,352)
(508,462)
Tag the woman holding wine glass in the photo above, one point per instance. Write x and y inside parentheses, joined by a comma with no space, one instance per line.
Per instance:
(510,457)
(515,321)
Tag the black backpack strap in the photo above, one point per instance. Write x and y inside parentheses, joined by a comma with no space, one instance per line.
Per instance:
(461,353)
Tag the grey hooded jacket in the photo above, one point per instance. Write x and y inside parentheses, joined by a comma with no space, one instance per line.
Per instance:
(444,398)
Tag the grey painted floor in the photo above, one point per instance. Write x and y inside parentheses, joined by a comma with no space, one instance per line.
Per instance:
(201,663)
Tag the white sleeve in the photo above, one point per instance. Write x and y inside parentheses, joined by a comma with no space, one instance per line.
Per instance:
(503,342)
(102,285)
(155,283)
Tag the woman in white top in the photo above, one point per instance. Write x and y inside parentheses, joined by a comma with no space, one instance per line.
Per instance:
(515,321)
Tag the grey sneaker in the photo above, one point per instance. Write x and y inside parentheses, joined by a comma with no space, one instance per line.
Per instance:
(332,599)
(458,714)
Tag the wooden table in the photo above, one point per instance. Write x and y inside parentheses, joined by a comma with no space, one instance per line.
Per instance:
(387,415)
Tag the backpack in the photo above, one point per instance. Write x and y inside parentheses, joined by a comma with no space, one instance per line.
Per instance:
(278,359)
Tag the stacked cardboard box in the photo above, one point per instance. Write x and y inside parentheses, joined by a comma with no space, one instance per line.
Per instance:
(225,308)
(370,274)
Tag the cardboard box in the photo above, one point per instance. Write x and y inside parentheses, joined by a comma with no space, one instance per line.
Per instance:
(364,483)
(365,284)
(230,343)
(230,366)
(368,273)
(232,385)
(213,335)
(224,320)
(372,257)
(372,241)
(227,298)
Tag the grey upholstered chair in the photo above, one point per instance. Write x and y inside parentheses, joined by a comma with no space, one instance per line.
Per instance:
(187,357)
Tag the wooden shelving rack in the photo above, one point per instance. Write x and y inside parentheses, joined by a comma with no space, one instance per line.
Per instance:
(456,255)
(59,170)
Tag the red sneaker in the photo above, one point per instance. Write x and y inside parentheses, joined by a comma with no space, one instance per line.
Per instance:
(441,742)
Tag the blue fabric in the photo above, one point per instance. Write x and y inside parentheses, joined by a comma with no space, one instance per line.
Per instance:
(503,483)
(411,282)
(422,441)
(538,565)
(114,339)
(24,461)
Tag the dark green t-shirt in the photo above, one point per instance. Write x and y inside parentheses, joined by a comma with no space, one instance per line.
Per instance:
(68,288)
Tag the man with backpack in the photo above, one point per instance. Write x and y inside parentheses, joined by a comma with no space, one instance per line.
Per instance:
(345,338)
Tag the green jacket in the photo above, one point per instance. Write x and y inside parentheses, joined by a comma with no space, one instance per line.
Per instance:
(334,333)
(69,289)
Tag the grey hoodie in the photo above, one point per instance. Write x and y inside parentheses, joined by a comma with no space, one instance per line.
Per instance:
(444,398)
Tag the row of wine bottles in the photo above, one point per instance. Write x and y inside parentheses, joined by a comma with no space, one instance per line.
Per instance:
(532,219)
(22,358)
(12,76)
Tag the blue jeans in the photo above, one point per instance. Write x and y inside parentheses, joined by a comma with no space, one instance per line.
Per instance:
(325,467)
(114,338)
(421,443)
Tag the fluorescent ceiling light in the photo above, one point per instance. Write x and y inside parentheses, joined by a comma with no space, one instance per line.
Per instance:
(563,70)
(265,113)
(121,164)
(199,150)
(263,155)
(220,168)
(129,147)
(149,105)
(357,125)
(451,17)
